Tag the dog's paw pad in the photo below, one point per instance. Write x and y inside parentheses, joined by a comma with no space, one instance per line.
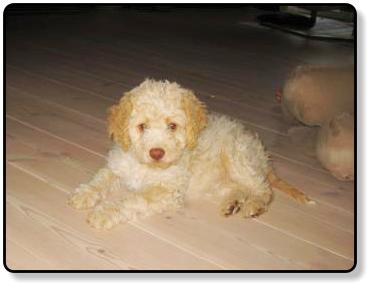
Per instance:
(253,208)
(230,207)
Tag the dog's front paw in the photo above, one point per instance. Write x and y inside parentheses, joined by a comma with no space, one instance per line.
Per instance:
(84,197)
(104,217)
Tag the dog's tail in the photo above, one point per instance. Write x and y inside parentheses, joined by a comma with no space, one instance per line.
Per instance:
(278,183)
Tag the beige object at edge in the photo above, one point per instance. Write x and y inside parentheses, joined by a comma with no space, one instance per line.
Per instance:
(335,146)
(324,96)
(314,94)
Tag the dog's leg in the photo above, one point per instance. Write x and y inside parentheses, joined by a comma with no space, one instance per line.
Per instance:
(152,200)
(87,195)
(246,190)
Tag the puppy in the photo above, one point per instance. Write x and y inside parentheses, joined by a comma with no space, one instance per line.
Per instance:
(166,147)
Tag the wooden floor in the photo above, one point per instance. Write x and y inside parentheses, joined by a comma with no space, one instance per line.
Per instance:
(64,71)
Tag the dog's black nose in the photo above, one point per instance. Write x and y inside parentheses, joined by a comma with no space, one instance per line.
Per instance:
(157,153)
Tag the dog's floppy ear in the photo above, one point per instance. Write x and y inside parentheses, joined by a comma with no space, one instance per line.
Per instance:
(196,118)
(118,121)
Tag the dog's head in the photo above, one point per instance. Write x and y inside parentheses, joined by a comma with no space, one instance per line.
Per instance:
(157,121)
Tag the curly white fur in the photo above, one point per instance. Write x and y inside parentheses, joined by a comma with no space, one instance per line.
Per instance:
(203,155)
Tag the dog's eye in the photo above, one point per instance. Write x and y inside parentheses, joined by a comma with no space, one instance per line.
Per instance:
(141,127)
(172,126)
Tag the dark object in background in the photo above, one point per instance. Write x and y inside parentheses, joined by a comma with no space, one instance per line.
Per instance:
(45,9)
(328,22)
(288,20)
